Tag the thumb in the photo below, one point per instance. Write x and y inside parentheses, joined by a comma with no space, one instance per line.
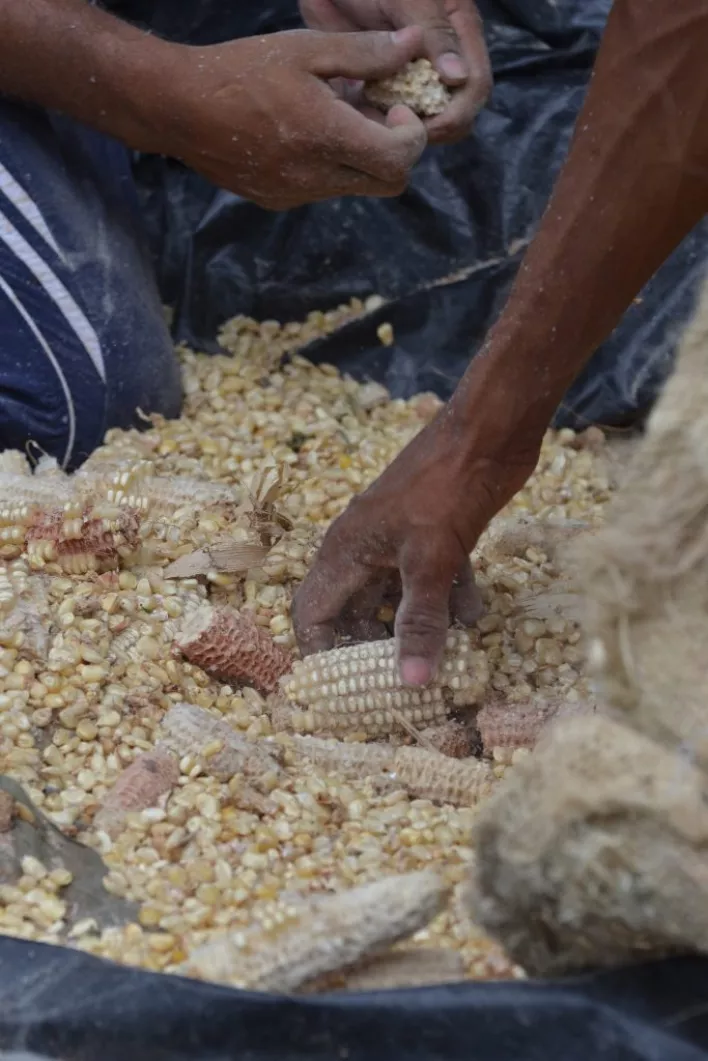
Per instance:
(423,616)
(364,56)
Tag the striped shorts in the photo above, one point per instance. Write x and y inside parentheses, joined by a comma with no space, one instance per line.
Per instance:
(83,341)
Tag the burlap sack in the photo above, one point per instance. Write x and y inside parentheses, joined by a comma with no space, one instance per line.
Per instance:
(595,850)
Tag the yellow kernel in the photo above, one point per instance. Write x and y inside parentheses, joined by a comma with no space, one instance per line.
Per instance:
(87,729)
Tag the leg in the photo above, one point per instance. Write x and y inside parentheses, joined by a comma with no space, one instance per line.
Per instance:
(83,341)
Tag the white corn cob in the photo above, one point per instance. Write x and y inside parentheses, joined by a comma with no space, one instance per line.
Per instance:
(348,760)
(190,730)
(407,968)
(431,775)
(357,689)
(329,933)
(424,774)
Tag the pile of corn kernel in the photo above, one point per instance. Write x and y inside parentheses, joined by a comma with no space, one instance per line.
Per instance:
(200,862)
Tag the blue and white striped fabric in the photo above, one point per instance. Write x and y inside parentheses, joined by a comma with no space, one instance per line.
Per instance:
(83,342)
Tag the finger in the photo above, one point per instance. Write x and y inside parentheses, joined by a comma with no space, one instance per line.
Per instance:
(456,120)
(385,151)
(441,41)
(362,56)
(466,603)
(322,597)
(423,617)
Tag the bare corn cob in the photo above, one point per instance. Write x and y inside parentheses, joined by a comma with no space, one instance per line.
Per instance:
(425,774)
(330,933)
(358,690)
(430,775)
(502,724)
(79,543)
(140,786)
(7,811)
(190,730)
(336,756)
(406,968)
(229,645)
(449,738)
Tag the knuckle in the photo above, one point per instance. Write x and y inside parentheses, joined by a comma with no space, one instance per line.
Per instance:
(421,621)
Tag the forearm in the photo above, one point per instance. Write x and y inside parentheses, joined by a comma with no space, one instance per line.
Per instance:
(634,184)
(71,57)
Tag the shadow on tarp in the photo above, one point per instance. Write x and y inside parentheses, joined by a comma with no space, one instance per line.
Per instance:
(470,208)
(68,1005)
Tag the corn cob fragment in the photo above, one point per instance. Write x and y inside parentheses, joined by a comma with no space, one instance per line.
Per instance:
(417,86)
(189,730)
(329,933)
(430,775)
(228,645)
(449,738)
(502,724)
(80,543)
(7,811)
(357,689)
(406,968)
(424,774)
(148,777)
(352,761)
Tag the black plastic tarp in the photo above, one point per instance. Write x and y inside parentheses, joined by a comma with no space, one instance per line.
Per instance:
(69,1005)
(469,212)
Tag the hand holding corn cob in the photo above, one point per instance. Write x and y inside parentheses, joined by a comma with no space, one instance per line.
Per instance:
(420,519)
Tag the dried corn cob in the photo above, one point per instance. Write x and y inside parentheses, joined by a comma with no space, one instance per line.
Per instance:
(449,738)
(502,724)
(229,645)
(358,690)
(425,774)
(190,730)
(406,968)
(7,811)
(81,543)
(140,786)
(330,933)
(417,86)
(430,775)
(336,756)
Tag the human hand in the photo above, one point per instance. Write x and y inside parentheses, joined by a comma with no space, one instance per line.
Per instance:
(452,39)
(420,520)
(259,117)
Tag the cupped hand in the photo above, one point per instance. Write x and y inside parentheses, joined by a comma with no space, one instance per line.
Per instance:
(260,116)
(419,521)
(452,38)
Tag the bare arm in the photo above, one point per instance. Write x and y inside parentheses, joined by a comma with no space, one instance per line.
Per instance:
(635,183)
(69,56)
(256,116)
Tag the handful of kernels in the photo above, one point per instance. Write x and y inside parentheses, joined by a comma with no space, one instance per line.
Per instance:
(208,857)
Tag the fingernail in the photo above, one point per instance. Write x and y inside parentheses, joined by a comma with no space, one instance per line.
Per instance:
(416,671)
(451,65)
